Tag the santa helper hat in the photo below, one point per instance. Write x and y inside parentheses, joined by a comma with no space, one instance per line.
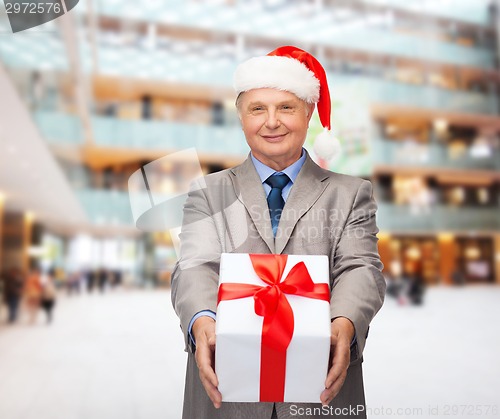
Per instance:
(293,70)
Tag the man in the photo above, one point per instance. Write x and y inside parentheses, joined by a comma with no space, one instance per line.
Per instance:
(238,210)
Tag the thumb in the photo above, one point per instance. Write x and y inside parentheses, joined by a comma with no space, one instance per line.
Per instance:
(211,340)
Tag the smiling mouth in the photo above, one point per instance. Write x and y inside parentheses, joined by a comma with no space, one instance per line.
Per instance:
(273,138)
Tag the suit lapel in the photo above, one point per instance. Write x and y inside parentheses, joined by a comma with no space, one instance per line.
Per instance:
(306,190)
(250,192)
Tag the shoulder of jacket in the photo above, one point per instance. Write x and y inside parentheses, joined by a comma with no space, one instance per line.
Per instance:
(217,179)
(346,180)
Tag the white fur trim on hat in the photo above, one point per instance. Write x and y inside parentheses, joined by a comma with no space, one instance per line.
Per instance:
(326,145)
(282,73)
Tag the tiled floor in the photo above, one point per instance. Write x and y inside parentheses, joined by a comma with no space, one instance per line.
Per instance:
(120,356)
(439,360)
(113,356)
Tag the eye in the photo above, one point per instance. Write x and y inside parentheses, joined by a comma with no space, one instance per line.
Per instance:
(287,107)
(257,109)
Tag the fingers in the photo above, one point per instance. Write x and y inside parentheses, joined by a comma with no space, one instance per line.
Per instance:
(340,363)
(330,393)
(338,371)
(205,359)
(208,379)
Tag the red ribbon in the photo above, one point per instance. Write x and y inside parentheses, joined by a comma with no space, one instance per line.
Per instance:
(272,304)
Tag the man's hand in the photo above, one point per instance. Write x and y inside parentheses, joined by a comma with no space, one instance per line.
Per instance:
(342,335)
(204,334)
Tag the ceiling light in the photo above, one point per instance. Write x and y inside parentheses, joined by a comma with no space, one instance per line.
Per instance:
(446,237)
(29,216)
(391,129)
(440,125)
(472,252)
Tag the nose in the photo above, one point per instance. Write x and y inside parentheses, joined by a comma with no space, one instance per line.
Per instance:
(272,120)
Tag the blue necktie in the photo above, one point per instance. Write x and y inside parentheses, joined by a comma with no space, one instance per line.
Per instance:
(275,199)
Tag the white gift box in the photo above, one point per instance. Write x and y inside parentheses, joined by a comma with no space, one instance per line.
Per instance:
(239,335)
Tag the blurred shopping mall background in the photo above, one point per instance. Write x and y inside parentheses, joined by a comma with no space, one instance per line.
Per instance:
(89,98)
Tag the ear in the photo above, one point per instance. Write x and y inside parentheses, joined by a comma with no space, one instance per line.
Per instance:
(238,105)
(310,109)
(239,115)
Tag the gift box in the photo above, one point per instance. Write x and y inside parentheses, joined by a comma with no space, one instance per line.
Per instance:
(273,327)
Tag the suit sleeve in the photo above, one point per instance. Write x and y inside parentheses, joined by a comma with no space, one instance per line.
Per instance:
(358,284)
(196,273)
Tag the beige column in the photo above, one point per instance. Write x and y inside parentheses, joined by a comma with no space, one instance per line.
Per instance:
(384,249)
(2,204)
(447,259)
(27,230)
(496,257)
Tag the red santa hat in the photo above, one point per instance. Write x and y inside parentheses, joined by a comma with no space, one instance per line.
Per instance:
(293,70)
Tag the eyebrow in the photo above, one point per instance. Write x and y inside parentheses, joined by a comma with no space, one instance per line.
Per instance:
(259,103)
(255,103)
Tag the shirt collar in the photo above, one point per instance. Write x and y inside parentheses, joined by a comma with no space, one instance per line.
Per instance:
(291,171)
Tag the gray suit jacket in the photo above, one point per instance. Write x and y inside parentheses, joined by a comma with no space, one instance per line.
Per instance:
(325,214)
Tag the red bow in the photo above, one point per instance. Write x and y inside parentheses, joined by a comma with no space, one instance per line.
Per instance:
(272,304)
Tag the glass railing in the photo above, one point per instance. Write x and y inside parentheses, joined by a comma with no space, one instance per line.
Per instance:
(106,207)
(472,11)
(40,50)
(66,128)
(429,97)
(225,140)
(412,47)
(61,128)
(401,153)
(403,218)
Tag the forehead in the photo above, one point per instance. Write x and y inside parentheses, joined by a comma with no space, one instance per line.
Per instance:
(268,96)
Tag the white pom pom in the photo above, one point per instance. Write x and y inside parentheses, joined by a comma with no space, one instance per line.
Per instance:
(326,145)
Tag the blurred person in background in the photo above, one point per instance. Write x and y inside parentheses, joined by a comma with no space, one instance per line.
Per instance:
(394,278)
(277,94)
(416,289)
(33,294)
(102,277)
(13,285)
(59,276)
(92,275)
(38,90)
(405,288)
(48,296)
(74,282)
(117,278)
(458,277)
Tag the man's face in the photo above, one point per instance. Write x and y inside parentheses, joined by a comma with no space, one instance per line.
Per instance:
(275,125)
